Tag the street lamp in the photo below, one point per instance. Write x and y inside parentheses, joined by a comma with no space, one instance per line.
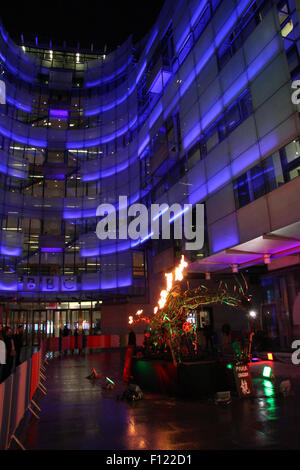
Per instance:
(252,314)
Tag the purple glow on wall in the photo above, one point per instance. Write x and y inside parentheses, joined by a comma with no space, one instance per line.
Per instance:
(198,195)
(245,160)
(155,114)
(10,251)
(219,180)
(143,145)
(142,70)
(51,250)
(160,81)
(59,114)
(151,40)
(226,238)
(191,136)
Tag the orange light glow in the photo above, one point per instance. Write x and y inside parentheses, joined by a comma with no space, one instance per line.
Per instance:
(177,275)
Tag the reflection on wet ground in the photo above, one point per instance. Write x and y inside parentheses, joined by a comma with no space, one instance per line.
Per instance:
(78,414)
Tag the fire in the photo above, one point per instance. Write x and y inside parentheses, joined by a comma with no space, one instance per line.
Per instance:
(163,298)
(170,279)
(179,270)
(177,276)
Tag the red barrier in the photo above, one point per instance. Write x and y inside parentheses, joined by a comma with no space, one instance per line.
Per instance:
(35,373)
(101,341)
(3,417)
(127,366)
(70,343)
(20,398)
(16,393)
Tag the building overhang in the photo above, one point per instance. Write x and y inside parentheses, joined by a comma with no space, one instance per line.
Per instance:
(263,250)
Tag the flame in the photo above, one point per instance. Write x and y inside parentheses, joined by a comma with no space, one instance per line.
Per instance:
(179,270)
(170,278)
(163,298)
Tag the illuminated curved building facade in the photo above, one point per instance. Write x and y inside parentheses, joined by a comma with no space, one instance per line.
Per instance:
(199,111)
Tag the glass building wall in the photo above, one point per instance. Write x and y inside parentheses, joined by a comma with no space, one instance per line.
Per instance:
(191,114)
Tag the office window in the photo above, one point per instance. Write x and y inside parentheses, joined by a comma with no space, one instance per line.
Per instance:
(273,172)
(194,155)
(212,137)
(293,59)
(241,191)
(224,54)
(257,181)
(232,116)
(246,104)
(204,19)
(290,158)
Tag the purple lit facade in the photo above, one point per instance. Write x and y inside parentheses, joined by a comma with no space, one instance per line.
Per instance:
(198,112)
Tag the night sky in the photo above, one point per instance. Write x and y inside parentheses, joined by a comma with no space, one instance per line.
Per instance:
(100,22)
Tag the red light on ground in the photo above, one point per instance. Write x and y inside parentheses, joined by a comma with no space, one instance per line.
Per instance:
(270,357)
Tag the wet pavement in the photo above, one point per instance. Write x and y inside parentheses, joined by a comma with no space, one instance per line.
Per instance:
(78,414)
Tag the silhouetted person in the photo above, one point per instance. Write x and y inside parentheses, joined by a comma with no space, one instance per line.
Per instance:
(76,338)
(65,331)
(131,338)
(60,341)
(18,341)
(84,340)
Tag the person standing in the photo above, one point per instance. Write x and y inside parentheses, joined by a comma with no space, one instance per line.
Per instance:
(65,342)
(76,339)
(18,342)
(84,341)
(66,331)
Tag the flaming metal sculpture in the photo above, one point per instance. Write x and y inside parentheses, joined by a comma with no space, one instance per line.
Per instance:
(174,306)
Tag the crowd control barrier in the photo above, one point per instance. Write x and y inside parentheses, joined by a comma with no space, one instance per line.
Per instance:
(16,396)
(71,343)
(18,390)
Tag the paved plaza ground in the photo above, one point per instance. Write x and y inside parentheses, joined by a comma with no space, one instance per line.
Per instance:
(78,414)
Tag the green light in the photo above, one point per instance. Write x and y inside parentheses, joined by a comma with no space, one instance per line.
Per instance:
(268,384)
(110,381)
(267,372)
(268,388)
(269,392)
(229,366)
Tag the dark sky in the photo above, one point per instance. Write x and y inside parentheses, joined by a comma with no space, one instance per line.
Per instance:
(101,22)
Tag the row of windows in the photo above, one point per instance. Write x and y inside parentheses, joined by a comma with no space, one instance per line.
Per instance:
(234,41)
(201,24)
(233,116)
(289,36)
(271,173)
